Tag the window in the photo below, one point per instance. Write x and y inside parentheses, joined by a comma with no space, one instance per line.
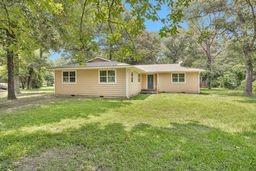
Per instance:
(178,78)
(69,76)
(111,76)
(132,77)
(138,77)
(103,76)
(107,76)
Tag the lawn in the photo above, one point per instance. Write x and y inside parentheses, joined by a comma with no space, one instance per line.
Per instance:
(215,130)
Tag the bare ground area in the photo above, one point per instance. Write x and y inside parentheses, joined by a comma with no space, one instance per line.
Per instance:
(60,158)
(26,99)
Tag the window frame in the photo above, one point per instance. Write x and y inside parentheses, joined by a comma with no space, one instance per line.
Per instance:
(132,77)
(68,77)
(178,82)
(106,76)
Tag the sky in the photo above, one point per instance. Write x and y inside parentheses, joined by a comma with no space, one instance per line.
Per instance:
(151,26)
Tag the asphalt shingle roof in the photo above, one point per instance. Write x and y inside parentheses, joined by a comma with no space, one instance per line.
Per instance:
(153,68)
(167,68)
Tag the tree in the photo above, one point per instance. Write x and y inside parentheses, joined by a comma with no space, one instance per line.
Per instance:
(181,47)
(244,29)
(238,20)
(23,26)
(202,19)
(148,47)
(19,31)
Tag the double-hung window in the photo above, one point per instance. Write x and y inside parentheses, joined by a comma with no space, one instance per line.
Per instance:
(69,76)
(107,76)
(132,77)
(178,78)
(138,77)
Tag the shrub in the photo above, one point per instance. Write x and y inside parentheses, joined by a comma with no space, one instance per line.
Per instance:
(229,80)
(232,78)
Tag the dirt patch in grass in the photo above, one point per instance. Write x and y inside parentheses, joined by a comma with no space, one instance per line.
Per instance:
(26,100)
(71,158)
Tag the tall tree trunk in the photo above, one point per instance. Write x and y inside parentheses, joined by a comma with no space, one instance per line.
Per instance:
(249,71)
(29,80)
(209,66)
(23,82)
(209,73)
(16,75)
(10,68)
(110,52)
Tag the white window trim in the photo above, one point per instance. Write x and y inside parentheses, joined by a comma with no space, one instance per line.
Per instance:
(185,78)
(107,76)
(69,80)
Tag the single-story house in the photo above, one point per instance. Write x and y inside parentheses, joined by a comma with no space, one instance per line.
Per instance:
(106,78)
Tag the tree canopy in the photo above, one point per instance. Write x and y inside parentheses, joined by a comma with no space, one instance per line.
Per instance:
(219,37)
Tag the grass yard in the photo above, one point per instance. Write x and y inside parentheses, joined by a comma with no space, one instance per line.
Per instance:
(215,130)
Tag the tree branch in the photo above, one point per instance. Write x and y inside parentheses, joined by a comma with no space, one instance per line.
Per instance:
(81,26)
(8,19)
(254,24)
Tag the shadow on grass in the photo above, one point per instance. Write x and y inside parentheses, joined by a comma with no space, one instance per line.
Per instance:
(221,92)
(55,111)
(188,146)
(141,97)
(32,93)
(25,99)
(248,100)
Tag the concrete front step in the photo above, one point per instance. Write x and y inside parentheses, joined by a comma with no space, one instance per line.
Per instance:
(145,91)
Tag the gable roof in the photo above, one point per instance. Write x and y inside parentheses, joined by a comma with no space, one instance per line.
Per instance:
(98,59)
(166,68)
(98,62)
(101,62)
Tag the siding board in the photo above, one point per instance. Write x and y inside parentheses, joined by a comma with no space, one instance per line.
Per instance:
(190,86)
(88,84)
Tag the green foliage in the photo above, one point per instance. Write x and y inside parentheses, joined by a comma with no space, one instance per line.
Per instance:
(49,78)
(231,78)
(228,80)
(181,48)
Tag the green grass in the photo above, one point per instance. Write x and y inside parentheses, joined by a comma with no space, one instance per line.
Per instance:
(215,130)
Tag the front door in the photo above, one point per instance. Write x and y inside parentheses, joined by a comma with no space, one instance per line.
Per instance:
(150,82)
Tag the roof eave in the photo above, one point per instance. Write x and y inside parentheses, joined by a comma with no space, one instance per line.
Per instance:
(170,71)
(86,68)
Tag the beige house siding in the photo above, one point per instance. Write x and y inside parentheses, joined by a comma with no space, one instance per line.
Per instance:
(155,81)
(191,84)
(87,83)
(134,87)
(144,81)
